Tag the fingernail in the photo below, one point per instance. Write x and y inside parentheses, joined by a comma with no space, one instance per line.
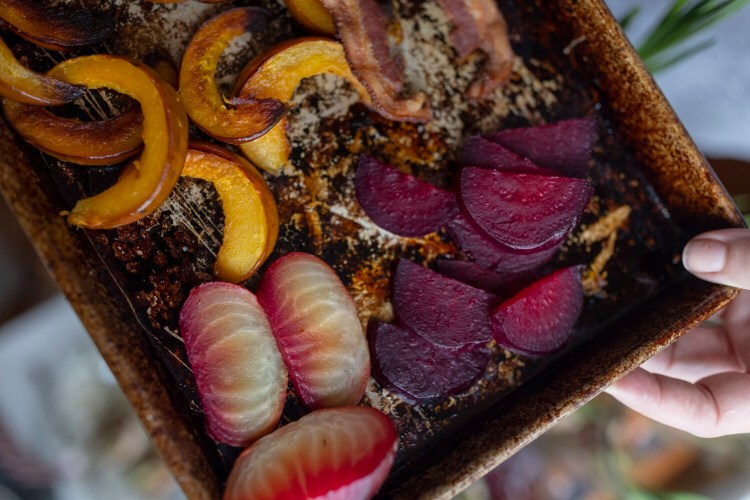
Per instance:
(705,256)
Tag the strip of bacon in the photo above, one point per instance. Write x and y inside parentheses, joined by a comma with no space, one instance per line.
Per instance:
(362,27)
(479,25)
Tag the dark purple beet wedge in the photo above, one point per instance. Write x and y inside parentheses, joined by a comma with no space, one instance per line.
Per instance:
(499,283)
(540,319)
(564,147)
(481,152)
(487,253)
(418,370)
(442,310)
(524,212)
(401,203)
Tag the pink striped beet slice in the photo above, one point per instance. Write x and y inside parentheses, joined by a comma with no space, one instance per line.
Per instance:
(239,374)
(540,318)
(565,147)
(401,203)
(336,454)
(524,212)
(442,310)
(317,329)
(418,370)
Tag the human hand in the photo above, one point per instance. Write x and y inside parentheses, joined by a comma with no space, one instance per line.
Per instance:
(701,384)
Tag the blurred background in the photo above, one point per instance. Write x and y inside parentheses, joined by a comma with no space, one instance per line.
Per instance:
(67,432)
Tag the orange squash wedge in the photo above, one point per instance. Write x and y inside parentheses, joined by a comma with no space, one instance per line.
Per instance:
(56,27)
(228,120)
(145,183)
(312,15)
(251,220)
(23,85)
(275,75)
(94,143)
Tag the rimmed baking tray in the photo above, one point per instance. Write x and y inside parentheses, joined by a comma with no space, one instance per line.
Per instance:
(572,60)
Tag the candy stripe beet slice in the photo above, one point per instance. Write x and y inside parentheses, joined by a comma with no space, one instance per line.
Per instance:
(418,370)
(336,454)
(524,212)
(503,284)
(564,147)
(239,373)
(401,203)
(442,310)
(317,329)
(481,152)
(487,253)
(540,319)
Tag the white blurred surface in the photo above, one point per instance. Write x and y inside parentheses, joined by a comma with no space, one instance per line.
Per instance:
(71,428)
(710,91)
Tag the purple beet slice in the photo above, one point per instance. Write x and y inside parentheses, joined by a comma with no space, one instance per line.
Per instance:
(418,370)
(564,147)
(442,310)
(540,319)
(481,152)
(499,283)
(399,202)
(487,253)
(524,212)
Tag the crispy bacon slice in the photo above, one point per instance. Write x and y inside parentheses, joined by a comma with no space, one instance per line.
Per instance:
(479,25)
(362,27)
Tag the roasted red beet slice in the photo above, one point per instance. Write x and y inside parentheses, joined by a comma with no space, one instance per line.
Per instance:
(418,370)
(487,253)
(526,213)
(442,310)
(564,147)
(540,319)
(500,283)
(400,202)
(481,152)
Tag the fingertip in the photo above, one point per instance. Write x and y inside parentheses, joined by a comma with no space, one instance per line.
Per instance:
(628,386)
(721,256)
(704,255)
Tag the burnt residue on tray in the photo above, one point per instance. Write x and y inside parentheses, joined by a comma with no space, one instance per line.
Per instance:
(155,262)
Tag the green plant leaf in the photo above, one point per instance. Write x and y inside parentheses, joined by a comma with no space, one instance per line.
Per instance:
(664,45)
(655,64)
(627,20)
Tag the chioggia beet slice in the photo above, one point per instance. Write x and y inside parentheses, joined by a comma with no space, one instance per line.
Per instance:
(489,254)
(565,146)
(418,370)
(524,212)
(540,318)
(336,454)
(238,370)
(442,310)
(401,203)
(502,284)
(317,329)
(481,152)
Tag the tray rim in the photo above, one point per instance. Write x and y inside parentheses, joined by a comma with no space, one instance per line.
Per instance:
(80,278)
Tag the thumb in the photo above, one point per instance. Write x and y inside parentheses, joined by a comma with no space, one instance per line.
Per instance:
(721,256)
